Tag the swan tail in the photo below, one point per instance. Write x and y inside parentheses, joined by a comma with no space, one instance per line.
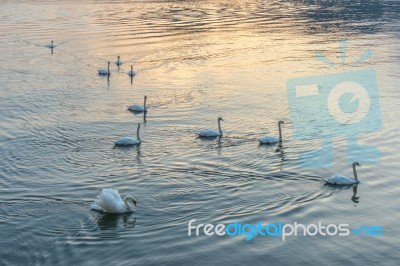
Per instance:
(95,207)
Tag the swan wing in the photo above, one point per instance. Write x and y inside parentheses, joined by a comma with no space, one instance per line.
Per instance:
(208,133)
(110,201)
(340,180)
(268,140)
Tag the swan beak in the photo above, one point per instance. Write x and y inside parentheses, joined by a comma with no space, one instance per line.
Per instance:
(134,203)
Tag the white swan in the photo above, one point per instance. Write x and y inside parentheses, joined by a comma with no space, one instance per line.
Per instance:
(110,201)
(212,133)
(271,139)
(131,72)
(129,141)
(344,180)
(105,71)
(139,108)
(51,45)
(118,62)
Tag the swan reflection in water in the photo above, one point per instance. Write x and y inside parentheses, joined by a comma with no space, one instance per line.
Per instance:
(108,226)
(280,151)
(281,154)
(110,221)
(354,198)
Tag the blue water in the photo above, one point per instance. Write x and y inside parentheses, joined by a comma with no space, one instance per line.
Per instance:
(196,60)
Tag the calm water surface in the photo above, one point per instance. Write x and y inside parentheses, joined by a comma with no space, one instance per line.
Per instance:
(196,60)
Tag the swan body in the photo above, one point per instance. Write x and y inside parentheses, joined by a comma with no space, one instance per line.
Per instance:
(118,62)
(344,180)
(340,180)
(272,139)
(268,140)
(105,71)
(51,45)
(129,141)
(212,133)
(208,133)
(131,72)
(110,201)
(139,108)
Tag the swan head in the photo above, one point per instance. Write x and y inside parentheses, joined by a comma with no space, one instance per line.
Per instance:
(131,199)
(220,119)
(145,97)
(118,57)
(134,202)
(356,164)
(281,122)
(108,63)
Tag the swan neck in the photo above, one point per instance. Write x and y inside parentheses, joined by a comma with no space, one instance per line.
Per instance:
(219,127)
(128,206)
(280,132)
(137,132)
(355,173)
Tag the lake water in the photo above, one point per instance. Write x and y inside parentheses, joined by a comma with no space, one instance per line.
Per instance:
(195,60)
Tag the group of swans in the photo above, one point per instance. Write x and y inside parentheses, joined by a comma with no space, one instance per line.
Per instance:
(109,200)
(107,72)
(333,180)
(209,133)
(101,71)
(130,141)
